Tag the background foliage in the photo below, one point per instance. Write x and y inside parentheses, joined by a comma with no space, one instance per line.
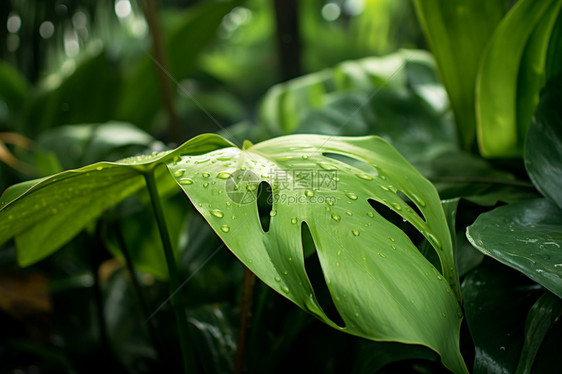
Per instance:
(467,91)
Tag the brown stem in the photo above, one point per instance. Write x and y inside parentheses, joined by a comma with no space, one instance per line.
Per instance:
(162,64)
(245,319)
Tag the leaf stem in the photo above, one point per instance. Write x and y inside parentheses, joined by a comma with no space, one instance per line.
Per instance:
(139,294)
(245,316)
(177,305)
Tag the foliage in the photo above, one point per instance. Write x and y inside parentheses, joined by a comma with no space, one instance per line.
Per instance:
(364,200)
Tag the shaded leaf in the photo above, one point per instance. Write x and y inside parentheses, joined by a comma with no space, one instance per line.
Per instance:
(543,148)
(496,301)
(526,236)
(542,316)
(44,214)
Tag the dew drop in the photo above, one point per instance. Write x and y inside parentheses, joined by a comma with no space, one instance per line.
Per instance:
(327,166)
(286,272)
(355,232)
(356,314)
(224,158)
(309,193)
(339,253)
(351,195)
(224,175)
(393,246)
(179,172)
(305,157)
(228,203)
(371,214)
(206,184)
(225,228)
(336,217)
(199,205)
(277,279)
(396,206)
(285,289)
(418,200)
(217,213)
(337,264)
(186,181)
(444,315)
(202,161)
(99,168)
(349,213)
(252,187)
(383,187)
(294,220)
(366,177)
(330,201)
(382,255)
(273,213)
(206,175)
(282,159)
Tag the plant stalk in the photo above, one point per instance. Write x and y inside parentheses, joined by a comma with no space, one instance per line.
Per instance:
(140,296)
(177,305)
(245,318)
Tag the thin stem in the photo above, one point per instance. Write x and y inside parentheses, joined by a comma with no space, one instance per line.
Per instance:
(508,182)
(177,305)
(163,66)
(139,294)
(245,317)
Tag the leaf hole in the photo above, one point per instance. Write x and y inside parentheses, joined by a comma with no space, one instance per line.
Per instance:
(264,202)
(315,275)
(397,220)
(412,205)
(359,164)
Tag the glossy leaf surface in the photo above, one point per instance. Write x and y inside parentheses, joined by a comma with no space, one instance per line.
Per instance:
(526,236)
(402,296)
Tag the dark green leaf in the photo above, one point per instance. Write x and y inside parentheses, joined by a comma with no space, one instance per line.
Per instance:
(496,301)
(542,316)
(543,149)
(526,236)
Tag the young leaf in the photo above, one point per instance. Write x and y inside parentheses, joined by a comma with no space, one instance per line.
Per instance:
(44,214)
(526,236)
(381,285)
(503,84)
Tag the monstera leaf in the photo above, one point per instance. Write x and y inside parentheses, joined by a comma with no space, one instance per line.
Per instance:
(383,288)
(381,285)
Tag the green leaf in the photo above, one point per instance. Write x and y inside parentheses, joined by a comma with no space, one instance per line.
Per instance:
(526,236)
(542,316)
(380,284)
(457,32)
(543,148)
(496,301)
(507,89)
(44,214)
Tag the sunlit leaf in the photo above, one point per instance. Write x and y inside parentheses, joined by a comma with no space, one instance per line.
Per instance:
(507,89)
(381,285)
(458,32)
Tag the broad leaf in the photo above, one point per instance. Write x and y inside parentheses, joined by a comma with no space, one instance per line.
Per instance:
(543,148)
(380,284)
(526,236)
(507,89)
(44,214)
(496,302)
(458,32)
